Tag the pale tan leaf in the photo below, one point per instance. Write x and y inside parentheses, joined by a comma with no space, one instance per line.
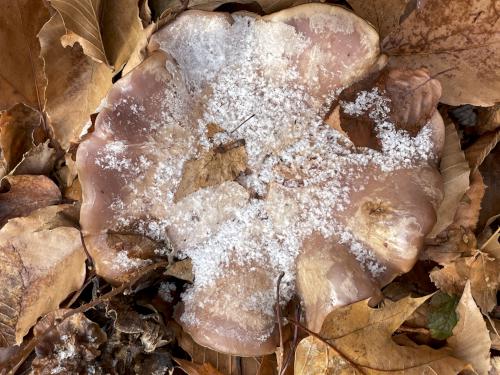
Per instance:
(212,168)
(38,280)
(479,150)
(82,25)
(455,171)
(383,14)
(471,340)
(107,30)
(480,269)
(21,69)
(76,83)
(458,41)
(39,160)
(20,195)
(121,30)
(362,343)
(492,245)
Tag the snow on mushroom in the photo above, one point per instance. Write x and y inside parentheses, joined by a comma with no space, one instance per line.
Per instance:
(217,144)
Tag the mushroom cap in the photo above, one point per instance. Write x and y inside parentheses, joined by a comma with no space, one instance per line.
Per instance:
(217,144)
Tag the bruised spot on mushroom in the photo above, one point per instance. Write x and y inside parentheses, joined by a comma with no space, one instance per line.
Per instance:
(217,142)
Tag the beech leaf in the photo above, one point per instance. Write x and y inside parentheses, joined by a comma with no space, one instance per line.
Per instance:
(458,41)
(36,281)
(76,83)
(20,195)
(18,125)
(455,171)
(471,340)
(21,70)
(107,30)
(364,336)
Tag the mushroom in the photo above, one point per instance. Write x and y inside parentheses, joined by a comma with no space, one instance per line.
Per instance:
(217,144)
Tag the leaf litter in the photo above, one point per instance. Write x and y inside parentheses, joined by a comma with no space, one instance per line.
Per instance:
(86,71)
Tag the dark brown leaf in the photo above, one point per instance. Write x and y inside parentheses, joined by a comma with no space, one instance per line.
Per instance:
(20,195)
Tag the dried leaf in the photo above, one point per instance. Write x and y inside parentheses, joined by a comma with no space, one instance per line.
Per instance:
(458,41)
(211,169)
(469,208)
(492,245)
(39,160)
(488,119)
(268,6)
(455,172)
(478,152)
(451,244)
(107,30)
(383,14)
(38,281)
(490,170)
(17,133)
(70,348)
(21,70)
(471,340)
(480,269)
(20,195)
(364,336)
(182,270)
(224,364)
(195,369)
(76,83)
(442,317)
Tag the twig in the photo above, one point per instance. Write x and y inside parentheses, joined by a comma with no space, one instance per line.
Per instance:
(243,123)
(278,317)
(294,343)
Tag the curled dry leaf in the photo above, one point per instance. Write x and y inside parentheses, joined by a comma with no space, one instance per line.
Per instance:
(455,172)
(107,30)
(20,128)
(490,170)
(76,83)
(458,41)
(477,152)
(363,336)
(451,244)
(21,70)
(385,15)
(38,281)
(20,195)
(39,160)
(482,271)
(469,207)
(471,340)
(70,348)
(488,118)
